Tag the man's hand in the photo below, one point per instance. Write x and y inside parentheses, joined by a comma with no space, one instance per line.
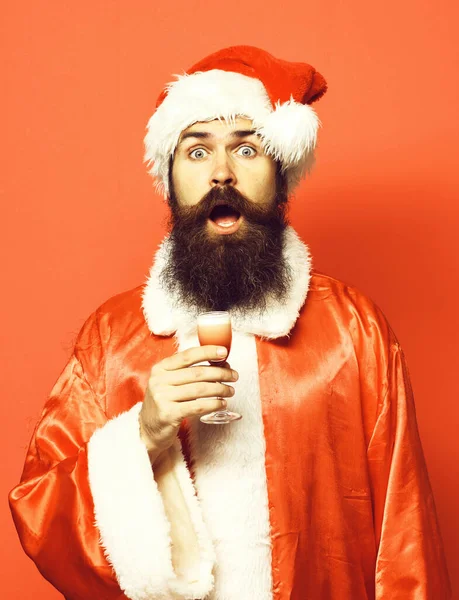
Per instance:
(177,390)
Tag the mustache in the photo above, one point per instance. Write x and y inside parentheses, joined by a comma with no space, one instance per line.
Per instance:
(228,196)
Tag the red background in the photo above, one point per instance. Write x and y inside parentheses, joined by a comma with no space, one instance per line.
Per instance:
(82,221)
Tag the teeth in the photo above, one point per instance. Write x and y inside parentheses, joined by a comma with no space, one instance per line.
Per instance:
(227,224)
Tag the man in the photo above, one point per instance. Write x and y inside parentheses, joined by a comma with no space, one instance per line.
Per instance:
(321,490)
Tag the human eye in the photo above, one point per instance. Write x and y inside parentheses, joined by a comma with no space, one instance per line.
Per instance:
(198,153)
(246,151)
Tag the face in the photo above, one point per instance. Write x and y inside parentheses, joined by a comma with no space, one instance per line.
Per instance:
(221,155)
(228,202)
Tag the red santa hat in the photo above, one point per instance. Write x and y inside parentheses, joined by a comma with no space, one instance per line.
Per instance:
(241,81)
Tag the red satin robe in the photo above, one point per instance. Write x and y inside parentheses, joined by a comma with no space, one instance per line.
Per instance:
(351,509)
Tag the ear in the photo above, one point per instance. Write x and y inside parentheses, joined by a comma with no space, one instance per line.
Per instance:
(170,192)
(281,182)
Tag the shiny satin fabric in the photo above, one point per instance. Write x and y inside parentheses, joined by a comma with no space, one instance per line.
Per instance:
(52,507)
(351,508)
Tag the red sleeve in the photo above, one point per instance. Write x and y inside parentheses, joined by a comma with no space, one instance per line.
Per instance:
(52,507)
(410,559)
(88,510)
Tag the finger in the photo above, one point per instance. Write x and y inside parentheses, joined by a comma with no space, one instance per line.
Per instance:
(203,406)
(201,373)
(190,357)
(223,365)
(192,391)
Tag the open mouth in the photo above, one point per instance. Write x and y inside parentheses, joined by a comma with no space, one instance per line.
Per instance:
(224,219)
(224,216)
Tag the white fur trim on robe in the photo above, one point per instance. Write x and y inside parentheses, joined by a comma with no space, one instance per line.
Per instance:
(130,515)
(228,462)
(165,315)
(231,483)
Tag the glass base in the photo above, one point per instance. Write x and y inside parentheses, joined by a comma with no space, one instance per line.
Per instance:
(220,417)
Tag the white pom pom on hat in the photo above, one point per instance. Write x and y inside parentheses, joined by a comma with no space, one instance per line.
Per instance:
(241,81)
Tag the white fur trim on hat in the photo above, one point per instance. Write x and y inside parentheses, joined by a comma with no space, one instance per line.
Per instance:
(288,131)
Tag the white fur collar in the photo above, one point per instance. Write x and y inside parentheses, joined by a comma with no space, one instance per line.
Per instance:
(164,315)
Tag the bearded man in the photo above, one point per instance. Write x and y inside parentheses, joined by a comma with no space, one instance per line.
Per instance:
(320,491)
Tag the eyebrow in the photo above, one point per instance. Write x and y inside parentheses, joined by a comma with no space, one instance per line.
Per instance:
(203,135)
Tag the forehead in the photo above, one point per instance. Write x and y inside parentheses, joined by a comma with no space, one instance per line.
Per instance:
(219,128)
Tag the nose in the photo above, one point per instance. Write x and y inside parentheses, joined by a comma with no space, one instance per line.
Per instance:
(223,173)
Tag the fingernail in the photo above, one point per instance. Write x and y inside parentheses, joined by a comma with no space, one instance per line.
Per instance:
(235,375)
(222,352)
(224,403)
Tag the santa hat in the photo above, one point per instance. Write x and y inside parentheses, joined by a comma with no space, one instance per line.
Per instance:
(241,81)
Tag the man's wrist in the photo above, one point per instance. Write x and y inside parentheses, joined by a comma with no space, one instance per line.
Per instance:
(153,451)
